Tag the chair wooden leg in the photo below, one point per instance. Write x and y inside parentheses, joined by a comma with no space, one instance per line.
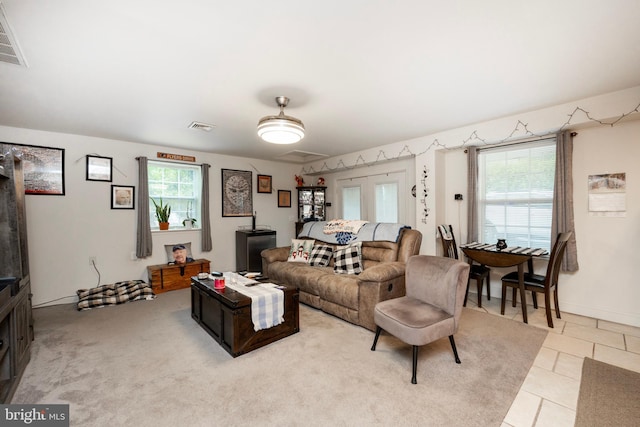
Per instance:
(513,297)
(504,297)
(555,298)
(466,294)
(415,365)
(547,308)
(488,287)
(479,282)
(375,340)
(535,300)
(523,302)
(455,351)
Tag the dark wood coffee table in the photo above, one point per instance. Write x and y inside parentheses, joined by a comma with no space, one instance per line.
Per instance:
(226,315)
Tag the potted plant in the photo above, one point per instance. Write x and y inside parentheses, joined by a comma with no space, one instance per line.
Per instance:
(162,214)
(189,221)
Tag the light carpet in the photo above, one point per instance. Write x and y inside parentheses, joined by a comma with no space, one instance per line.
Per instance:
(609,396)
(147,363)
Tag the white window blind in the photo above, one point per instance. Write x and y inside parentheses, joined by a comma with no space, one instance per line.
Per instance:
(386,199)
(515,193)
(351,203)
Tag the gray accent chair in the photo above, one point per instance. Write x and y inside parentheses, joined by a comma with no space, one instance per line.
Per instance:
(431,309)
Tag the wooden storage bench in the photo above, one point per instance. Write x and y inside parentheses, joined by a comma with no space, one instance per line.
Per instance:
(169,277)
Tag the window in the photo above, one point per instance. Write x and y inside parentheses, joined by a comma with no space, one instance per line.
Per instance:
(515,193)
(177,185)
(351,202)
(375,198)
(386,200)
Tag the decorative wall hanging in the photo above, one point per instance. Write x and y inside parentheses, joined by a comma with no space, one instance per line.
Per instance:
(237,194)
(264,184)
(99,168)
(284,198)
(43,169)
(608,194)
(425,194)
(122,197)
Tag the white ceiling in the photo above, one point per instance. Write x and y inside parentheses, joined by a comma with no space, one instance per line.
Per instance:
(360,73)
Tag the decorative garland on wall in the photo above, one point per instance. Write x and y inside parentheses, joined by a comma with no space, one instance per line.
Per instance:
(425,194)
(519,128)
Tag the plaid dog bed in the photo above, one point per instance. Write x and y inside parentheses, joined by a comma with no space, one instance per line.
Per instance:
(118,293)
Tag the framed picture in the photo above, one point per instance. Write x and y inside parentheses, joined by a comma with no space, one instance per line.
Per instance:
(122,197)
(43,169)
(264,183)
(237,194)
(99,168)
(284,198)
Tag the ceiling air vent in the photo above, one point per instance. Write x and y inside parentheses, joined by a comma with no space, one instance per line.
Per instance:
(202,126)
(298,156)
(9,49)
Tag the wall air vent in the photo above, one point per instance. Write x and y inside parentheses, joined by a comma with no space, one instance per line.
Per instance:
(9,48)
(202,126)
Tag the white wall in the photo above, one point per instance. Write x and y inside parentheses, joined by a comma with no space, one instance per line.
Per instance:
(607,247)
(605,286)
(64,231)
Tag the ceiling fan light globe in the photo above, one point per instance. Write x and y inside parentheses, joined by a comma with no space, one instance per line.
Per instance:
(280,130)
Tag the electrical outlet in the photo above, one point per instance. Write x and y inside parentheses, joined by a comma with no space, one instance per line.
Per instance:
(458,197)
(92,260)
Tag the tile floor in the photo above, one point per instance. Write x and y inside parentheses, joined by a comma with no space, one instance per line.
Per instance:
(549,394)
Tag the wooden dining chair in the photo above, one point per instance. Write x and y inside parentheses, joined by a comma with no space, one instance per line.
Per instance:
(537,283)
(479,273)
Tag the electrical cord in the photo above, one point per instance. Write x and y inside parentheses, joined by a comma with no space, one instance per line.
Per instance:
(53,300)
(97,271)
(69,296)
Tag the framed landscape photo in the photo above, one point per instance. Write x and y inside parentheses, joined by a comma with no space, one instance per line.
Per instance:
(99,168)
(122,197)
(264,183)
(237,193)
(284,198)
(43,169)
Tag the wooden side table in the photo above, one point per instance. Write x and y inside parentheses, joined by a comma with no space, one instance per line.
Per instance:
(169,277)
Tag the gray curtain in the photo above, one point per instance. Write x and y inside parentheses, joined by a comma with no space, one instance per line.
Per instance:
(207,244)
(472,188)
(144,242)
(562,219)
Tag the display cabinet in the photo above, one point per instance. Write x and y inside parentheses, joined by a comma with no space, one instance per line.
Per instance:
(16,321)
(311,205)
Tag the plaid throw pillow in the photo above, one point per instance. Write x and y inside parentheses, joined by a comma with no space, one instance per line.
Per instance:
(348,259)
(321,255)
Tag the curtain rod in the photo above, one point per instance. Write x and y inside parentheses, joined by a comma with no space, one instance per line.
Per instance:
(176,162)
(521,141)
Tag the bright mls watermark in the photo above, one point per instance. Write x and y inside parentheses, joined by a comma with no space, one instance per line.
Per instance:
(34,415)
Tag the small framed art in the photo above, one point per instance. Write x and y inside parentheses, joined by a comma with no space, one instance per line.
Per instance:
(264,183)
(284,198)
(122,197)
(99,168)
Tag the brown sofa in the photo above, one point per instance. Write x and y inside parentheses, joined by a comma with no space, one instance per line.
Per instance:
(348,296)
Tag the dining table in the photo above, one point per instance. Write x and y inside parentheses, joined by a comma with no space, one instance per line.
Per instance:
(511,256)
